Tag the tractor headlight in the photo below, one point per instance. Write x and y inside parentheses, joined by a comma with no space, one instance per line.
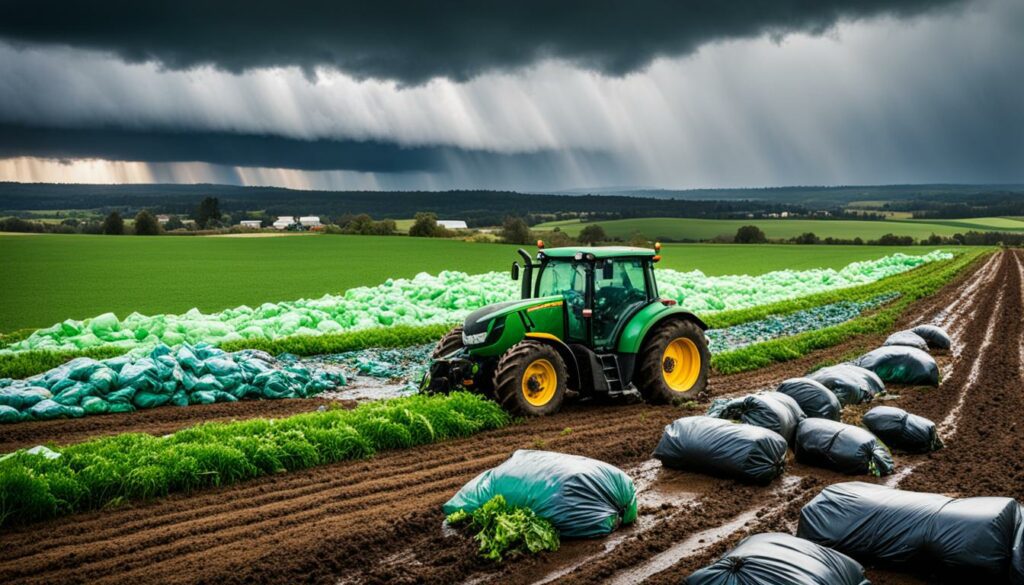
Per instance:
(475,339)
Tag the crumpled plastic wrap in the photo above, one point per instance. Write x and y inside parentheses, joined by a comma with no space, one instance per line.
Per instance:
(199,374)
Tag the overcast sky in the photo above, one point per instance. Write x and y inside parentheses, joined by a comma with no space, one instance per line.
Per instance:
(525,95)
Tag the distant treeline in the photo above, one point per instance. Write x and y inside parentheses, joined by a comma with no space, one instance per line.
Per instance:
(949,207)
(478,208)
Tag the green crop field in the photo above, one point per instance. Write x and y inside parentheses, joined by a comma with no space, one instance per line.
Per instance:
(49,278)
(979,223)
(706,229)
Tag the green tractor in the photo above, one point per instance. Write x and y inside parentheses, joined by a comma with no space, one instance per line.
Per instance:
(590,325)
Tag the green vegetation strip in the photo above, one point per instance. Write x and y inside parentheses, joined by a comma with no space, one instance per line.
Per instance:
(502,529)
(132,466)
(911,287)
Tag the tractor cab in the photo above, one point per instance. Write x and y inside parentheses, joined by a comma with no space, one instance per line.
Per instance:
(601,288)
(589,323)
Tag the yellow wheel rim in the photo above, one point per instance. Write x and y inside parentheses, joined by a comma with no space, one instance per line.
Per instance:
(680,364)
(539,382)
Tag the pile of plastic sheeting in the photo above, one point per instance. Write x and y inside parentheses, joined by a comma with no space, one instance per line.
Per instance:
(776,326)
(199,374)
(426,299)
(407,363)
(774,558)
(978,538)
(581,497)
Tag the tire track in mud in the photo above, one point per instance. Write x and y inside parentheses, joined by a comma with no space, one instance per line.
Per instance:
(378,520)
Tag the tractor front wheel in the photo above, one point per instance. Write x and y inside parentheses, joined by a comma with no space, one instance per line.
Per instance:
(674,363)
(530,379)
(451,342)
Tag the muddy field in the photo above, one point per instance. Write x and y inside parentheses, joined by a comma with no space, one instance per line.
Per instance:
(379,521)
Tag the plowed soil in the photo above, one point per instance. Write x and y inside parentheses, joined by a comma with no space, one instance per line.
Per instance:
(156,421)
(379,521)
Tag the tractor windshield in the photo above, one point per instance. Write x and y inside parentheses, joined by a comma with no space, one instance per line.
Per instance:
(559,278)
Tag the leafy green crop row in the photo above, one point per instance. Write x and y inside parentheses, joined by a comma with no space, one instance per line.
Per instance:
(912,286)
(501,529)
(110,470)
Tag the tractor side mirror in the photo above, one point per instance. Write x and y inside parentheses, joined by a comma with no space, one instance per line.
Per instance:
(607,271)
(515,271)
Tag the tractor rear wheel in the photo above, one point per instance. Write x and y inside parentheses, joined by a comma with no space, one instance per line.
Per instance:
(451,342)
(530,379)
(674,363)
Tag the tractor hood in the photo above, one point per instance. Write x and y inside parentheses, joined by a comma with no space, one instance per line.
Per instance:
(479,320)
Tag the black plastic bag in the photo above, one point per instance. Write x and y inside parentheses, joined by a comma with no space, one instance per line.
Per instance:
(814,399)
(901,364)
(976,536)
(936,337)
(772,410)
(851,384)
(907,338)
(722,448)
(902,430)
(780,559)
(842,447)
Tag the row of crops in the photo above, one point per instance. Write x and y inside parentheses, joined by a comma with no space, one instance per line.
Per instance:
(42,483)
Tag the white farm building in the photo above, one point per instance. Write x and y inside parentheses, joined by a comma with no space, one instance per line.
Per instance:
(310,221)
(284,222)
(452,224)
(251,223)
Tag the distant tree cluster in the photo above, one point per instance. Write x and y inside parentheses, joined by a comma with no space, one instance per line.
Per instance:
(365,225)
(425,226)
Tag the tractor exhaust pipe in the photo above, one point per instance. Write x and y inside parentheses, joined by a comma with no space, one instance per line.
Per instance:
(527,289)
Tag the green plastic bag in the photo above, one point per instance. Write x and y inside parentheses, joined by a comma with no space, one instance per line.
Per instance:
(22,398)
(95,405)
(74,395)
(122,396)
(202,397)
(48,410)
(179,398)
(120,407)
(81,368)
(103,380)
(582,497)
(9,414)
(150,399)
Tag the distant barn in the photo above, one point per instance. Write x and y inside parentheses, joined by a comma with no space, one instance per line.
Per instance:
(251,223)
(310,221)
(284,222)
(452,224)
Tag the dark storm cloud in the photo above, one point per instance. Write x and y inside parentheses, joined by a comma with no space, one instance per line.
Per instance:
(413,41)
(215,148)
(249,150)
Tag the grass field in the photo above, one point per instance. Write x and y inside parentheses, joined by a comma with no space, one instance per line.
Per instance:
(49,278)
(706,229)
